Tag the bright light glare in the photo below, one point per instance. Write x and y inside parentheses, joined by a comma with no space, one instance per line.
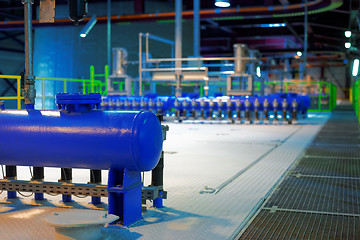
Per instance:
(15,112)
(258,72)
(222,3)
(51,113)
(299,53)
(83,35)
(273,25)
(227,72)
(347,34)
(355,70)
(347,45)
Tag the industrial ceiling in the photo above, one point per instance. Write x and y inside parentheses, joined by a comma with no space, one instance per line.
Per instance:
(271,26)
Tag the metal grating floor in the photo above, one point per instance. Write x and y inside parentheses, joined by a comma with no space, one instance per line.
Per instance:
(328,166)
(319,198)
(290,225)
(320,194)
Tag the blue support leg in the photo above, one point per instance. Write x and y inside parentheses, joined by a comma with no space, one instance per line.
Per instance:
(66,198)
(39,196)
(11,194)
(158,202)
(66,176)
(95,178)
(38,176)
(125,195)
(11,174)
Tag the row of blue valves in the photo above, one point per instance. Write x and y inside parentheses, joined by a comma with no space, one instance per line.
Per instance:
(287,102)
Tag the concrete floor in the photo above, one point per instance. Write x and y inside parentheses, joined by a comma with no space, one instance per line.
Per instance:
(215,175)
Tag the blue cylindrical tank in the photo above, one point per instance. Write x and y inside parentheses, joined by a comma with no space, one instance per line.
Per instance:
(93,139)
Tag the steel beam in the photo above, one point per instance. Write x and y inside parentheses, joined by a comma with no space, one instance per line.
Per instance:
(94,190)
(12,35)
(8,35)
(11,85)
(11,50)
(292,30)
(12,16)
(139,6)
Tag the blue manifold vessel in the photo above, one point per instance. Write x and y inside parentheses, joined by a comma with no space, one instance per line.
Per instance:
(126,143)
(80,138)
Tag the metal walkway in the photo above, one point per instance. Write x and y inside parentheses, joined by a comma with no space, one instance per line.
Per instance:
(319,198)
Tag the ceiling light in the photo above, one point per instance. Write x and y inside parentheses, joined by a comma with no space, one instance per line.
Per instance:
(299,53)
(89,25)
(355,70)
(347,45)
(272,25)
(222,3)
(348,34)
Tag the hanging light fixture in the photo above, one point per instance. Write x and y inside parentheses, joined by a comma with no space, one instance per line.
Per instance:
(89,25)
(222,3)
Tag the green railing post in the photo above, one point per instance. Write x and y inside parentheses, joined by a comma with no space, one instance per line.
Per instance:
(84,87)
(65,87)
(334,96)
(106,78)
(92,77)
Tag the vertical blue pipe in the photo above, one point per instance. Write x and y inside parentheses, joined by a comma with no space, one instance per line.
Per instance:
(196,49)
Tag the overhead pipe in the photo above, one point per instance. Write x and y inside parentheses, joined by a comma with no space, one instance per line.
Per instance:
(278,11)
(314,65)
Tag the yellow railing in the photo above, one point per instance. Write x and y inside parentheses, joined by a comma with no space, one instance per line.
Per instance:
(96,86)
(18,89)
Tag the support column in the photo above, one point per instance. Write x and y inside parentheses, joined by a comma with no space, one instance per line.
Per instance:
(109,35)
(196,20)
(305,36)
(178,45)
(29,92)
